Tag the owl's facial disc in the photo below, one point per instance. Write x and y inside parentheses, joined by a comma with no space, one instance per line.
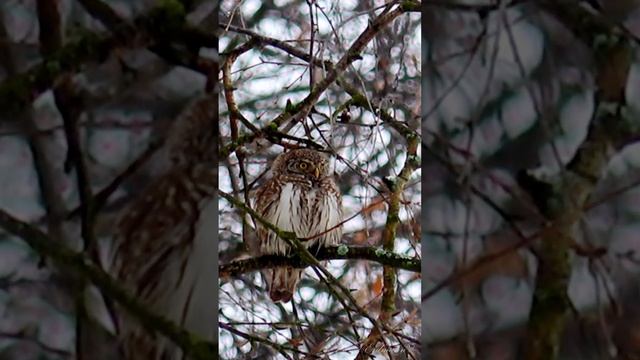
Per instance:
(302,166)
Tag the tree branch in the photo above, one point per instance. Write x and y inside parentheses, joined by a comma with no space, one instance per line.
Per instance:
(303,107)
(162,25)
(49,22)
(397,187)
(563,200)
(308,258)
(17,92)
(342,252)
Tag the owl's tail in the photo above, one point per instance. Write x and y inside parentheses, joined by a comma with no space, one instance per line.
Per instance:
(282,283)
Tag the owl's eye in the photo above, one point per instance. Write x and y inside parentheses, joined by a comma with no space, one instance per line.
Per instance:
(303,166)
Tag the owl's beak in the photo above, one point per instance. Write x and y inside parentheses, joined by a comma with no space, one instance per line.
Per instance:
(317,172)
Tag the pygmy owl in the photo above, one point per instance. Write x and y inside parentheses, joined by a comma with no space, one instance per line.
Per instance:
(301,197)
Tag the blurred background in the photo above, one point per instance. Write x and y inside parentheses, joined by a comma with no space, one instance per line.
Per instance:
(530,114)
(356,120)
(126,87)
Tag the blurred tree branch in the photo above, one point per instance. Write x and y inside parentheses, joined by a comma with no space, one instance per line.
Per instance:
(101,198)
(70,107)
(460,6)
(70,260)
(49,21)
(17,92)
(158,29)
(33,338)
(563,200)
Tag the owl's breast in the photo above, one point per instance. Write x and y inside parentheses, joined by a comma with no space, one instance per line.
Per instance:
(306,211)
(291,212)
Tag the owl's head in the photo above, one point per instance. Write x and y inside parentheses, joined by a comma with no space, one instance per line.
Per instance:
(191,139)
(306,162)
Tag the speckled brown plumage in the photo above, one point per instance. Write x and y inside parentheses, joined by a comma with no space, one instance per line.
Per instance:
(164,243)
(302,197)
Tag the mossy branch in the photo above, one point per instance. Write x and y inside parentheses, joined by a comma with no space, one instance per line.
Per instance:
(342,252)
(563,203)
(360,100)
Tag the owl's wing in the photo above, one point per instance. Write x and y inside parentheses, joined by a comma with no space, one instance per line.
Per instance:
(266,198)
